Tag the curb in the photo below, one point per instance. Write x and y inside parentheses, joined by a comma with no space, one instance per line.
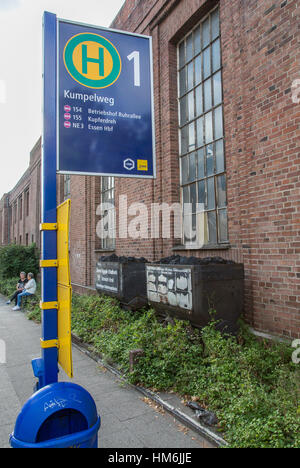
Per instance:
(175,412)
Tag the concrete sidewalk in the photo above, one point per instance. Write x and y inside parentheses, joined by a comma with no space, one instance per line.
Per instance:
(127,420)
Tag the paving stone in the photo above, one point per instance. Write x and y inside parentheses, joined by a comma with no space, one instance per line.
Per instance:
(122,439)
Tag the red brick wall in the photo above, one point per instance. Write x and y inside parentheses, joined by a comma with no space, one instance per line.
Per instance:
(260,61)
(262,129)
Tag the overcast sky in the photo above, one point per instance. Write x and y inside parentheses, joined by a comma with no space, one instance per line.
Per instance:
(21,72)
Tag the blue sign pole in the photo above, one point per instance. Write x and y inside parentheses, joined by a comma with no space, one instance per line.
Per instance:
(49,205)
(98,120)
(58,415)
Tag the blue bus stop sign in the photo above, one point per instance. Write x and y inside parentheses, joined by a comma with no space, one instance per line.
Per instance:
(105,102)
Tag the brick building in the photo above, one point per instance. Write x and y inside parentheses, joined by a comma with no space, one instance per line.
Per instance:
(20,208)
(227,136)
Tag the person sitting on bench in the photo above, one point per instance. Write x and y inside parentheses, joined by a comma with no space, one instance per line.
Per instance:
(20,288)
(29,290)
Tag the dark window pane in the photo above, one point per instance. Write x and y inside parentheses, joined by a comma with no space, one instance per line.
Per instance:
(184,141)
(201,192)
(212,227)
(221,190)
(216,55)
(200,136)
(192,167)
(215,24)
(193,195)
(207,95)
(192,137)
(218,117)
(206,63)
(199,101)
(186,194)
(220,165)
(223,226)
(182,81)
(197,39)
(201,164)
(183,112)
(217,88)
(191,106)
(198,69)
(189,48)
(181,54)
(208,128)
(206,33)
(210,163)
(190,77)
(211,204)
(184,170)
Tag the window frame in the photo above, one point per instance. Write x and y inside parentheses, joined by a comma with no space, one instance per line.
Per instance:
(189,122)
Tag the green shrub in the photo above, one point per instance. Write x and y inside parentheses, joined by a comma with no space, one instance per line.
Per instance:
(17,258)
(8,286)
(34,312)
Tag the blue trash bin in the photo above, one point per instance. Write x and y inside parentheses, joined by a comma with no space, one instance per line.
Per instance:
(61,415)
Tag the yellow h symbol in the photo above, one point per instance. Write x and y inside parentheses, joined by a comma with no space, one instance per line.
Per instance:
(86,60)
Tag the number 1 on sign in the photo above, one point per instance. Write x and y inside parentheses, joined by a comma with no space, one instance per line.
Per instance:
(135,56)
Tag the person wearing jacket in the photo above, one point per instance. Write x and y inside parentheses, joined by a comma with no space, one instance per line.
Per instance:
(29,290)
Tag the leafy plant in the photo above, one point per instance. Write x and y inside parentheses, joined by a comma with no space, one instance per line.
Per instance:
(8,286)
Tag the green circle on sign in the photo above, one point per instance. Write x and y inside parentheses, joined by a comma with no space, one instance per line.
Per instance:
(80,77)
